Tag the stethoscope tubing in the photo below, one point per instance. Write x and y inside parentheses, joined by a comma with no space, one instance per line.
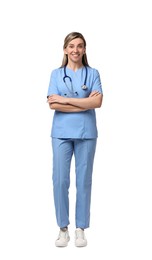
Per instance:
(66,76)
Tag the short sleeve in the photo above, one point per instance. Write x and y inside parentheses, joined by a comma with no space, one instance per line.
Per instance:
(97,82)
(53,89)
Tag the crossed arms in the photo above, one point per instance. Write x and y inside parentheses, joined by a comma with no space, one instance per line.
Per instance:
(65,104)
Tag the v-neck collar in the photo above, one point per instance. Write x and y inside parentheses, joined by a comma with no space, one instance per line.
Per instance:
(73,71)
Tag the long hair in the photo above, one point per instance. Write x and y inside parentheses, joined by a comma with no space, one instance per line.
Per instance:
(69,38)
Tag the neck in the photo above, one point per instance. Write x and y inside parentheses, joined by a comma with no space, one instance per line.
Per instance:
(74,66)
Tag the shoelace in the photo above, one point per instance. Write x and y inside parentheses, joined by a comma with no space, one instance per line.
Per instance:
(80,234)
(62,234)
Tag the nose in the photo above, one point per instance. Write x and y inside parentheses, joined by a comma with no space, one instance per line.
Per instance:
(75,49)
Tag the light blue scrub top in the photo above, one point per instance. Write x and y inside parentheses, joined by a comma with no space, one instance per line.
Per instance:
(74,124)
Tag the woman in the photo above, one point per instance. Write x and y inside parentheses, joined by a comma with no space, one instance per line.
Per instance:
(74,93)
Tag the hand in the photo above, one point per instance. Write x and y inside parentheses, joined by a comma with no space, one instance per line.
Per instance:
(57,99)
(94,93)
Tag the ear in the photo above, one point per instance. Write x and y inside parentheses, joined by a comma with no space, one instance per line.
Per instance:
(65,52)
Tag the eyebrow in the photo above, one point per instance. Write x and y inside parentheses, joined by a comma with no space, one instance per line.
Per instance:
(71,44)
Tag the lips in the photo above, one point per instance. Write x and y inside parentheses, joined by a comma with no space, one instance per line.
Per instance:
(75,56)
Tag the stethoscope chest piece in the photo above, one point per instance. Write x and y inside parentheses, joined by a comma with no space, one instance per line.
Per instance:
(84,87)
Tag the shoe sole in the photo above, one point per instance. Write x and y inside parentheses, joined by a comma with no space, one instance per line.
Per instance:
(62,245)
(79,245)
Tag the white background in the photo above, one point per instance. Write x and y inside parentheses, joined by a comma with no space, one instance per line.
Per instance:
(119,45)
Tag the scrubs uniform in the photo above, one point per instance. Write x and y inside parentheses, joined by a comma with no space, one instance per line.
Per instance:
(73,133)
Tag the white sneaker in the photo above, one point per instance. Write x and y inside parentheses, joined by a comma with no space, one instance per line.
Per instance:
(62,239)
(80,239)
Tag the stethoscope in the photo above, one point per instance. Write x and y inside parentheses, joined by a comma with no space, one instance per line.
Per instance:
(71,90)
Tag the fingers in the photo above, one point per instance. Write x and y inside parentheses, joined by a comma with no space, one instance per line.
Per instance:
(56,99)
(50,99)
(94,94)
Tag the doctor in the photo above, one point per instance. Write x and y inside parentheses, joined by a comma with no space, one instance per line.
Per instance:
(74,92)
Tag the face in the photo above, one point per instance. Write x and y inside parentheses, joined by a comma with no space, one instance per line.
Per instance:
(75,50)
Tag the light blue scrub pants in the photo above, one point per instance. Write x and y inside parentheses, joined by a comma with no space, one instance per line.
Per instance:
(84,151)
